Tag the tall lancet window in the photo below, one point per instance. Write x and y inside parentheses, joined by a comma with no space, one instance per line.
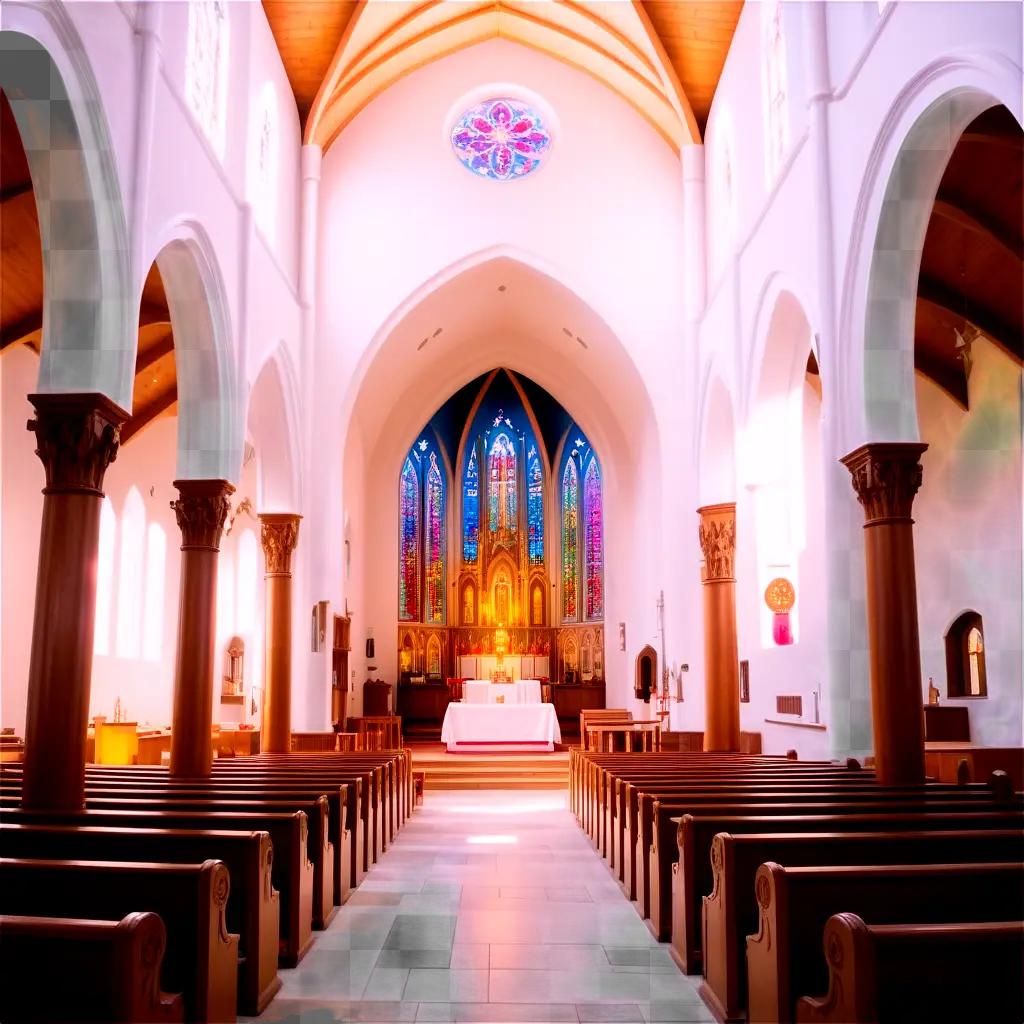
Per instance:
(264,167)
(593,546)
(435,543)
(776,115)
(501,476)
(471,511)
(535,506)
(570,542)
(409,544)
(206,70)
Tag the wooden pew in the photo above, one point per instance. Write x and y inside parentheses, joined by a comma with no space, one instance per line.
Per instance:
(943,973)
(291,871)
(201,957)
(730,911)
(795,903)
(109,971)
(339,799)
(693,873)
(320,849)
(253,912)
(662,850)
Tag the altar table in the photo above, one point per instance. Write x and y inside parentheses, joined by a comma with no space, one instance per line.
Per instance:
(482,691)
(499,728)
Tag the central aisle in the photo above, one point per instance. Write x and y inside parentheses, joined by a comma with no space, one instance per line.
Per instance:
(490,906)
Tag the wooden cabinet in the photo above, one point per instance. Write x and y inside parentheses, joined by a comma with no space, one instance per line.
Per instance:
(570,700)
(948,722)
(422,707)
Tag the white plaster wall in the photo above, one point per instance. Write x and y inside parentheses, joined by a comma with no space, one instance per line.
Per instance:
(967,535)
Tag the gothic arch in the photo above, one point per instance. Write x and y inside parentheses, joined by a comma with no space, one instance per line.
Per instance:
(210,431)
(905,166)
(89,332)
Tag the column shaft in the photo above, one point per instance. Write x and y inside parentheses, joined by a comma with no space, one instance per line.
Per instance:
(77,437)
(721,657)
(886,476)
(201,511)
(280,534)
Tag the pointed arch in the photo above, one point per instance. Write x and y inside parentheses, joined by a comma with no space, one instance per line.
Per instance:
(409,544)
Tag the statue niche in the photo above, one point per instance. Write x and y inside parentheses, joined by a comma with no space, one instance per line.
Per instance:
(646,674)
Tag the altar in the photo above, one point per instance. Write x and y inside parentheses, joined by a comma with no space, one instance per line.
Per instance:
(482,691)
(483,724)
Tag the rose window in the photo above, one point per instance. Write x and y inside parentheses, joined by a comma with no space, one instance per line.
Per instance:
(500,139)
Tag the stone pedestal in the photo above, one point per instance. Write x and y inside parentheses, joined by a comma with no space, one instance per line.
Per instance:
(280,534)
(201,511)
(721,657)
(77,437)
(886,476)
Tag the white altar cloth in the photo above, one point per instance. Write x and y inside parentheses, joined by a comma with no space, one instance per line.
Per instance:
(482,691)
(497,728)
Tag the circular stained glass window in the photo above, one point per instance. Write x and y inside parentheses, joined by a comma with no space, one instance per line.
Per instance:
(501,139)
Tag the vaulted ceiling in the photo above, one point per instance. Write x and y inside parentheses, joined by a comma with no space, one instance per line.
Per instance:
(663,57)
(972,274)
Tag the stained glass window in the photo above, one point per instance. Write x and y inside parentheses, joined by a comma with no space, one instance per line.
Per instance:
(570,542)
(593,545)
(501,139)
(471,511)
(501,478)
(775,89)
(535,507)
(409,561)
(435,544)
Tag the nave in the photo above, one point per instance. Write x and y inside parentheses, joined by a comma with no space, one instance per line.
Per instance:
(490,906)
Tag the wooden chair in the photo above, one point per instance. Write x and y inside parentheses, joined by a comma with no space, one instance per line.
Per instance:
(601,716)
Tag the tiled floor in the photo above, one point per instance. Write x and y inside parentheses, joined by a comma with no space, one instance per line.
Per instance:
(490,906)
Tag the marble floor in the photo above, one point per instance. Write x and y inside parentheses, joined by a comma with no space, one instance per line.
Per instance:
(490,906)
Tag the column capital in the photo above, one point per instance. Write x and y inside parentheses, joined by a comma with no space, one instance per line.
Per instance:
(279,535)
(201,512)
(886,477)
(717,534)
(77,437)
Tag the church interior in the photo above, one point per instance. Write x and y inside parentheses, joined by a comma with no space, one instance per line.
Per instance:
(520,515)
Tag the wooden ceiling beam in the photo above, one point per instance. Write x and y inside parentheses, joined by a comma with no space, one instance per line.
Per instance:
(15,191)
(164,347)
(951,379)
(149,412)
(11,334)
(957,212)
(990,324)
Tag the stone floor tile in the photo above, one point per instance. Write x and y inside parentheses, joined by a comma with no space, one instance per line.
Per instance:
(438,958)
(440,986)
(471,957)
(499,1013)
(609,1013)
(386,983)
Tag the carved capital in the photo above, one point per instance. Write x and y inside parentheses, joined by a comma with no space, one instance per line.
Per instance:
(77,437)
(886,476)
(279,535)
(201,512)
(718,541)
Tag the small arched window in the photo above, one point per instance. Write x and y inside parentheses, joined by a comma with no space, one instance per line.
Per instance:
(132,564)
(965,657)
(105,577)
(409,544)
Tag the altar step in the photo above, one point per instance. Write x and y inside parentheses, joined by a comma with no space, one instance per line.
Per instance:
(442,770)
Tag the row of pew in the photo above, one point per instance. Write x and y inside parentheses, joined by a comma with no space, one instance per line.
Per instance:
(809,891)
(171,899)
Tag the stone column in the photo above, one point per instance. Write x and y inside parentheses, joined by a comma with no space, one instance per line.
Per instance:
(280,533)
(77,437)
(201,510)
(886,476)
(721,657)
